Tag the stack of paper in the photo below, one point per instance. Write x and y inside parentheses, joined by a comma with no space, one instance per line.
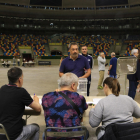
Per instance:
(95,101)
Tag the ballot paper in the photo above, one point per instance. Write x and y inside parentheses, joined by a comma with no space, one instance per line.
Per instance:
(27,107)
(95,101)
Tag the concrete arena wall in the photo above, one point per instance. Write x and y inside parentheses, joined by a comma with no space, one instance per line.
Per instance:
(57,61)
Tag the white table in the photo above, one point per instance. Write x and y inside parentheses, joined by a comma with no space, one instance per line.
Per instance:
(29,112)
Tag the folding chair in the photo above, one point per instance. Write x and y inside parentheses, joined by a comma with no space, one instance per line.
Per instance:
(3,131)
(70,134)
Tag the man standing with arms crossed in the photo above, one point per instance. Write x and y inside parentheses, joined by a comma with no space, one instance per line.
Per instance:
(75,63)
(113,66)
(84,50)
(101,66)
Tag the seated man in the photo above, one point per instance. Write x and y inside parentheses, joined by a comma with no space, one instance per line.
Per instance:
(58,111)
(13,99)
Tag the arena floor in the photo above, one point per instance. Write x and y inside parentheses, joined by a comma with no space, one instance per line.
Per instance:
(43,79)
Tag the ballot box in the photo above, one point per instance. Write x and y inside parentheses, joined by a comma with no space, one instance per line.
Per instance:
(82,86)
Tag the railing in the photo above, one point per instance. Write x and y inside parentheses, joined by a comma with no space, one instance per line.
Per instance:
(73,8)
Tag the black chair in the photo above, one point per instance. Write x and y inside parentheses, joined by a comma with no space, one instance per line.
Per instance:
(127,131)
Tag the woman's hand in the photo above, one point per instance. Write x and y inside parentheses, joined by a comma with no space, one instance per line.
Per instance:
(93,106)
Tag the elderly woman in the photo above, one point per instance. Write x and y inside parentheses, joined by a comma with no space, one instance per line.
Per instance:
(58,111)
(113,109)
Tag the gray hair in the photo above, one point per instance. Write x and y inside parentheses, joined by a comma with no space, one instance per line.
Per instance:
(134,51)
(113,53)
(68,79)
(101,53)
(73,43)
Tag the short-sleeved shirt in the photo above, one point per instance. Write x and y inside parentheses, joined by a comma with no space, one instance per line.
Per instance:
(77,67)
(58,111)
(113,62)
(12,105)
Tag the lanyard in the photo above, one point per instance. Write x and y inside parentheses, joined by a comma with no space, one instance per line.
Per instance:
(12,85)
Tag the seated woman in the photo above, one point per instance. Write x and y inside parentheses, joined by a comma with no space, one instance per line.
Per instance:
(58,111)
(114,108)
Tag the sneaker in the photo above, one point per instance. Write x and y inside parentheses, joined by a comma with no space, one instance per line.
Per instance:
(99,87)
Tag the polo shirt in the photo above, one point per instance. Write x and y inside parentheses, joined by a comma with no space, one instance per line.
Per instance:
(90,60)
(77,67)
(12,105)
(113,62)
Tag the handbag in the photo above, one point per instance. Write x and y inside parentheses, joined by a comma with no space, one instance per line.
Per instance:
(73,105)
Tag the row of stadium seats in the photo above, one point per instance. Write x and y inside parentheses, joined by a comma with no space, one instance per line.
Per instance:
(10,43)
(39,50)
(99,43)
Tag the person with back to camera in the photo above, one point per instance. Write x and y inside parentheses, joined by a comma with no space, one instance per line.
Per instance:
(112,109)
(58,111)
(13,99)
(113,66)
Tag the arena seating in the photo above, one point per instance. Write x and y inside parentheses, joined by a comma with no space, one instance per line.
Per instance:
(130,47)
(10,43)
(39,50)
(99,43)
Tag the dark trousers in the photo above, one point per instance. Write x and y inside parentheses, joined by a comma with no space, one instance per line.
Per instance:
(132,88)
(88,88)
(88,85)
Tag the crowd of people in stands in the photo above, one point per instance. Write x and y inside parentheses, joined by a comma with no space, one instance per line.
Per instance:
(10,43)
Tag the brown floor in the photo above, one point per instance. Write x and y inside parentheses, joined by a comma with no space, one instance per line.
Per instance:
(43,79)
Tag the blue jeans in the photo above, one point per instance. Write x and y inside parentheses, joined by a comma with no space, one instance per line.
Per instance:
(113,76)
(18,63)
(132,88)
(30,132)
